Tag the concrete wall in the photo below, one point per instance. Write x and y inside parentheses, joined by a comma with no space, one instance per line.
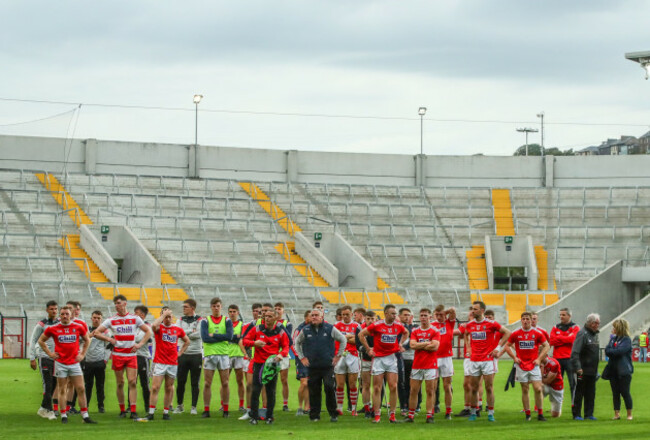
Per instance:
(522,254)
(122,244)
(102,156)
(605,294)
(316,259)
(92,244)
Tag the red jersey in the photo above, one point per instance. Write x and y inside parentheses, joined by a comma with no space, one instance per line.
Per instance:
(423,359)
(562,340)
(80,322)
(347,329)
(544,332)
(446,330)
(386,337)
(167,344)
(526,343)
(124,329)
(66,341)
(276,339)
(482,339)
(553,366)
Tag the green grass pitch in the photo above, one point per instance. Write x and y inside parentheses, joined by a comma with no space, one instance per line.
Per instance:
(21,398)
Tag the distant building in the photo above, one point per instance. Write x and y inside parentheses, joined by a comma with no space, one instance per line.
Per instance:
(644,144)
(589,151)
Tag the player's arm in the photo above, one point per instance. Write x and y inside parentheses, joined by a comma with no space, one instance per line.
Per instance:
(505,334)
(549,378)
(41,342)
(284,346)
(506,349)
(363,338)
(451,314)
(542,353)
(467,338)
(186,343)
(417,345)
(342,339)
(156,324)
(38,331)
(100,333)
(406,335)
(297,345)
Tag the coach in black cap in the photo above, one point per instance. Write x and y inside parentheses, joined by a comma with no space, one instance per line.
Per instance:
(315,348)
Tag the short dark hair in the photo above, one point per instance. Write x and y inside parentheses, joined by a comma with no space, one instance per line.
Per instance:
(404,309)
(256,306)
(360,310)
(346,307)
(424,309)
(387,307)
(268,305)
(317,303)
(117,298)
(279,304)
(481,304)
(307,313)
(489,312)
(73,303)
(338,311)
(50,304)
(97,312)
(439,308)
(527,314)
(215,300)
(190,302)
(233,307)
(370,314)
(143,309)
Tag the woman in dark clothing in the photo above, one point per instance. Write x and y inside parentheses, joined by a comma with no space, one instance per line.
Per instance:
(619,351)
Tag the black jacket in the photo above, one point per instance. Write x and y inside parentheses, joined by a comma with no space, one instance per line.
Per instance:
(586,352)
(619,351)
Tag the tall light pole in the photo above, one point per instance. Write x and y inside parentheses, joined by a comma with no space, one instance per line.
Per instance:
(422,111)
(527,130)
(541,116)
(643,58)
(197,99)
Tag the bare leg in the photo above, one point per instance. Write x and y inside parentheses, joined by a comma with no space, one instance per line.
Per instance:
(119,386)
(169,391)
(132,378)
(224,376)
(446,383)
(208,375)
(377,384)
(156,383)
(79,386)
(239,377)
(525,397)
(391,378)
(284,378)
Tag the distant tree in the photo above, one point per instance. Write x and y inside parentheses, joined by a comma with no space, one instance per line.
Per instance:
(535,150)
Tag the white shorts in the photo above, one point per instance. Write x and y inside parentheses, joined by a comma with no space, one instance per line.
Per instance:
(237,363)
(285,363)
(366,365)
(348,364)
(384,364)
(164,370)
(466,367)
(64,370)
(424,374)
(555,396)
(216,362)
(482,368)
(446,366)
(245,364)
(522,376)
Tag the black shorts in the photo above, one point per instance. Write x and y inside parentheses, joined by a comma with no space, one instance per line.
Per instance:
(302,372)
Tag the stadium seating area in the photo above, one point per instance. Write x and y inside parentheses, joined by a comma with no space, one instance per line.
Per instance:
(214,238)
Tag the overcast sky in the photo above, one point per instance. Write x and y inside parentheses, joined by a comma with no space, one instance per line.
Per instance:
(268,69)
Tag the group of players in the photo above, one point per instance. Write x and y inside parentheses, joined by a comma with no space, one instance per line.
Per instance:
(390,354)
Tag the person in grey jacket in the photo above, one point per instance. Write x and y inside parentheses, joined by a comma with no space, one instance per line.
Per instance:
(619,351)
(39,359)
(144,358)
(584,362)
(190,361)
(96,358)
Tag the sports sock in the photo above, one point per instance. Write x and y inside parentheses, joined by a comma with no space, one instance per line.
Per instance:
(527,412)
(84,412)
(64,413)
(467,405)
(411,413)
(122,407)
(134,409)
(490,410)
(473,411)
(241,403)
(430,414)
(448,410)
(55,406)
(225,407)
(70,405)
(206,408)
(340,394)
(165,410)
(152,409)
(480,404)
(354,395)
(285,403)
(378,413)
(540,411)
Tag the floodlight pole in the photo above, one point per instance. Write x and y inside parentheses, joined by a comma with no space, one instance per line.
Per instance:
(527,130)
(541,116)
(422,111)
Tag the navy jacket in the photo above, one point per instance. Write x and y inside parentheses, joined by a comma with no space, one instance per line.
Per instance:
(619,352)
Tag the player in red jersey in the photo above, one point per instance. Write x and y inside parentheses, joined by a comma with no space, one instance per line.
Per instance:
(124,327)
(444,322)
(366,368)
(467,379)
(553,384)
(165,359)
(386,342)
(67,357)
(425,341)
(479,334)
(530,348)
(349,365)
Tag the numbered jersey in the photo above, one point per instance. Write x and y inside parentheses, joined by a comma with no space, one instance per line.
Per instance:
(526,343)
(167,344)
(386,337)
(347,329)
(424,359)
(482,339)
(66,341)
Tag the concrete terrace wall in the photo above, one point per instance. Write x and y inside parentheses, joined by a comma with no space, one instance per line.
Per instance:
(107,157)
